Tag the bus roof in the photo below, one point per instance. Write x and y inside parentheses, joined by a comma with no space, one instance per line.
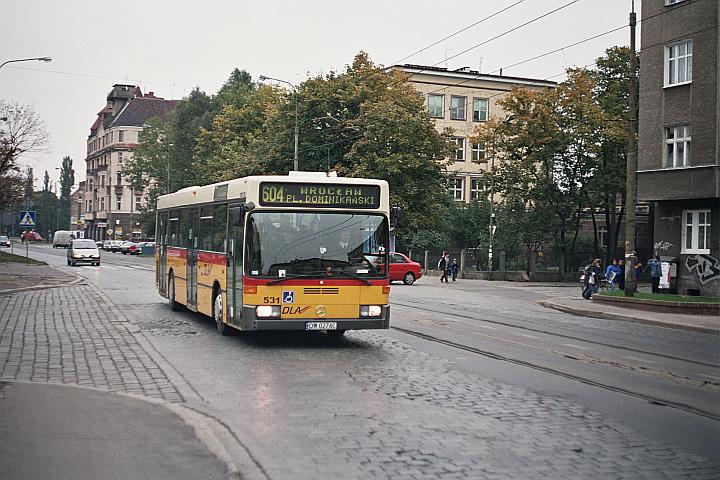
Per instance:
(247,189)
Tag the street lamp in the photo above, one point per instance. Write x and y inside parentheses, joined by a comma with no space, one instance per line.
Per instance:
(41,59)
(493,224)
(297,130)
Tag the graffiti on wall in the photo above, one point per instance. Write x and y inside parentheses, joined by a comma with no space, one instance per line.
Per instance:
(662,245)
(706,267)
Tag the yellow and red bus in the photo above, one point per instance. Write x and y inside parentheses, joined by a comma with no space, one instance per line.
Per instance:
(306,251)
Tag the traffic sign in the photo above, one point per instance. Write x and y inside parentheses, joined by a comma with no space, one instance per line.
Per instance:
(27,218)
(110,231)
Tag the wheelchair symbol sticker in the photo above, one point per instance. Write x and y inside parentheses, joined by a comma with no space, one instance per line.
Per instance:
(288,296)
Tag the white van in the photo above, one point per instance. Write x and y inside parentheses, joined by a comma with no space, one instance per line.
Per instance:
(62,238)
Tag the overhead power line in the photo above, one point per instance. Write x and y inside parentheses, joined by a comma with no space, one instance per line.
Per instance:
(459,31)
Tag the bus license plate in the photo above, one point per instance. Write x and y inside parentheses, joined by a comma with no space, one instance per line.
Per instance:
(320,325)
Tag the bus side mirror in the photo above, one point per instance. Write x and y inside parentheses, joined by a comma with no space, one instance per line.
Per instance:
(396,217)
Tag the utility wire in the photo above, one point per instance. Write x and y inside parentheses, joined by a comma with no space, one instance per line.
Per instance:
(459,31)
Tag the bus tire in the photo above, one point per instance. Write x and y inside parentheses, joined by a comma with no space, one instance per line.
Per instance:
(222,327)
(174,306)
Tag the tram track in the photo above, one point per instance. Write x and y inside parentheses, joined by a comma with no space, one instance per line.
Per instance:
(495,356)
(427,308)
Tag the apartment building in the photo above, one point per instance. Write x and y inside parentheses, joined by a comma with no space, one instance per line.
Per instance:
(679,137)
(110,203)
(462,99)
(77,205)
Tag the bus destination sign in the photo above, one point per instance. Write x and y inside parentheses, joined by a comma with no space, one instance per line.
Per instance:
(323,195)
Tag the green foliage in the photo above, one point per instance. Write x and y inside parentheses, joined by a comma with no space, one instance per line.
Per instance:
(67,180)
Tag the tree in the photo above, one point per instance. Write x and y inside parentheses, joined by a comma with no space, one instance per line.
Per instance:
(608,185)
(67,180)
(12,188)
(549,153)
(21,132)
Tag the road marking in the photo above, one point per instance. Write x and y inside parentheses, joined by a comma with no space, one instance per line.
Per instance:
(526,335)
(572,345)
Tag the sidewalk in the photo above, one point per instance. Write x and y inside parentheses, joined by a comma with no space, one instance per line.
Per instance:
(82,397)
(579,306)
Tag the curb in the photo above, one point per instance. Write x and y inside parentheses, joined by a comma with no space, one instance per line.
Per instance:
(624,318)
(78,279)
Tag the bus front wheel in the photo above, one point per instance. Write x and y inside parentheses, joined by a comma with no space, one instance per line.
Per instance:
(222,327)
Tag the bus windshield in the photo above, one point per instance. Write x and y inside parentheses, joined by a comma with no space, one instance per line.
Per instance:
(324,244)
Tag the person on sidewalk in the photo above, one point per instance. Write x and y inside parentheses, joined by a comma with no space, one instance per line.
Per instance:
(621,275)
(655,273)
(638,271)
(592,279)
(454,269)
(444,266)
(612,273)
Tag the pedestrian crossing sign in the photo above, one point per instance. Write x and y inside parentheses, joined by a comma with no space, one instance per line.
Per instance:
(27,219)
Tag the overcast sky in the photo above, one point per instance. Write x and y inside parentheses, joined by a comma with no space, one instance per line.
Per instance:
(172,46)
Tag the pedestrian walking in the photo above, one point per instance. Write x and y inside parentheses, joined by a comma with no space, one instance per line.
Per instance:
(444,266)
(593,273)
(612,274)
(655,273)
(454,269)
(621,275)
(638,271)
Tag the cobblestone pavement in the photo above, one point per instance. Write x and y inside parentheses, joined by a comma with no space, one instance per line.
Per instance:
(359,408)
(70,335)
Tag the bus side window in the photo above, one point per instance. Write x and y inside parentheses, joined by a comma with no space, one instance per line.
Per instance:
(219,228)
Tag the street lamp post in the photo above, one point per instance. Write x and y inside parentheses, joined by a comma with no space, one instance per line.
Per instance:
(41,59)
(297,129)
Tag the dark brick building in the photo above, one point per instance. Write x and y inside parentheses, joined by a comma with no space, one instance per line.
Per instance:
(679,136)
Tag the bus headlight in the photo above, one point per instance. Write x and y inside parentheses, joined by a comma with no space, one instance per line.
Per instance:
(370,310)
(267,311)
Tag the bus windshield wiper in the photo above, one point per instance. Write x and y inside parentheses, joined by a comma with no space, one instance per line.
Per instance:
(291,276)
(352,275)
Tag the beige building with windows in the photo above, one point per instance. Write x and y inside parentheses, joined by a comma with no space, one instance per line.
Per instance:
(462,99)
(111,205)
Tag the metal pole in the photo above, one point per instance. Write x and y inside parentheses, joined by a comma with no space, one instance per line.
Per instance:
(297,131)
(492,213)
(630,195)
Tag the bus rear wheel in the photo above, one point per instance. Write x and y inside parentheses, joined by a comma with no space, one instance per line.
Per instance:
(222,327)
(174,306)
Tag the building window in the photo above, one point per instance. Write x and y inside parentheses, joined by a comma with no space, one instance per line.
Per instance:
(458,189)
(480,109)
(119,202)
(89,206)
(120,158)
(102,204)
(678,63)
(436,105)
(457,107)
(602,236)
(102,180)
(459,149)
(121,136)
(119,178)
(477,187)
(478,151)
(677,146)
(696,231)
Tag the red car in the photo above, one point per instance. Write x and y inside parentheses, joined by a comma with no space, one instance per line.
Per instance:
(402,268)
(31,237)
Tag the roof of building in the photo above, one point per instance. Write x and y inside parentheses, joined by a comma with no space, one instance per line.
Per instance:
(468,74)
(138,110)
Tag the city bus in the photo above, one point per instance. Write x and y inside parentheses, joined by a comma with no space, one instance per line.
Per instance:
(306,251)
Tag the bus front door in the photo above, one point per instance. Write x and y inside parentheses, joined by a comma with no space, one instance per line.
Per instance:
(161,242)
(234,270)
(192,254)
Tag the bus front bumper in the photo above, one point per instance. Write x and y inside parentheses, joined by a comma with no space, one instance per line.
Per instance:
(250,322)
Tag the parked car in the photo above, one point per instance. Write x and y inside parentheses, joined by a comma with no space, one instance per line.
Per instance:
(62,238)
(106,245)
(129,247)
(99,244)
(83,250)
(115,245)
(4,241)
(403,268)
